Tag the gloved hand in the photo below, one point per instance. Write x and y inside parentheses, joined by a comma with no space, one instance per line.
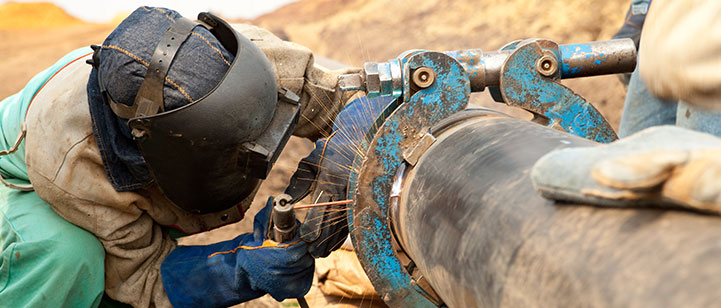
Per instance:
(663,166)
(235,271)
(326,170)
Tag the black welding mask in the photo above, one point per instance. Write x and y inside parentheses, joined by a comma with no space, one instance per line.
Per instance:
(213,153)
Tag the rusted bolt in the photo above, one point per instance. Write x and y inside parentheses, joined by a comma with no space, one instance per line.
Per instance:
(423,77)
(547,65)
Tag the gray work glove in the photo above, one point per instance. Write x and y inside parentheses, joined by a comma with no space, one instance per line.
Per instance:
(664,166)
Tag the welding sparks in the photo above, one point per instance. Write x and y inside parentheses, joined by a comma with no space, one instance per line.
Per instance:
(305,206)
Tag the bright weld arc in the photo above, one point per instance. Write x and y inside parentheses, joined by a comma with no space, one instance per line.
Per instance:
(305,206)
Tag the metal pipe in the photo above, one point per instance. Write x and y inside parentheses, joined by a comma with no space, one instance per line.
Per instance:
(597,58)
(470,219)
(577,60)
(484,68)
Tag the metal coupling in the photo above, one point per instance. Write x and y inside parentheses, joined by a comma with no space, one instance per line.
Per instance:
(351,82)
(376,79)
(423,77)
(283,217)
(547,65)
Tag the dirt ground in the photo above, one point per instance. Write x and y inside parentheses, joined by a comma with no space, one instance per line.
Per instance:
(352,32)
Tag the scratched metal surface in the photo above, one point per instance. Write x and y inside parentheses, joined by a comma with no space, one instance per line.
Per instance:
(597,58)
(474,225)
(522,86)
(369,217)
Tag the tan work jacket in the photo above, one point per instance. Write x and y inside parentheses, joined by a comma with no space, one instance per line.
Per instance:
(66,169)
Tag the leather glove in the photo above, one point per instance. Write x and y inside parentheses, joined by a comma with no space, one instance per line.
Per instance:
(325,173)
(663,166)
(235,271)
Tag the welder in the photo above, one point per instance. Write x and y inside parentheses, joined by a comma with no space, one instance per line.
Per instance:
(167,128)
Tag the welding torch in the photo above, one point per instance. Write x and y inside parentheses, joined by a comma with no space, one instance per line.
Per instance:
(484,68)
(284,226)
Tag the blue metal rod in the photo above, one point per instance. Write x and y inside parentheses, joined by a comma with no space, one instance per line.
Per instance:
(577,60)
(484,68)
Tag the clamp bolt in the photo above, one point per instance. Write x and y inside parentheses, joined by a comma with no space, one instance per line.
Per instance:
(547,65)
(424,77)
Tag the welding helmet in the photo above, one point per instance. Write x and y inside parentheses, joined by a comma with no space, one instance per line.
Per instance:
(213,153)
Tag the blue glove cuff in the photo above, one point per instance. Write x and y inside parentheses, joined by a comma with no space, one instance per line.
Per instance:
(235,271)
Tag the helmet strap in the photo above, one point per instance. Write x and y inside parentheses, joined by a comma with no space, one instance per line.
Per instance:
(149,99)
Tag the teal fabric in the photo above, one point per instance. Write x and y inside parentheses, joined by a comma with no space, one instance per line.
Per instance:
(45,261)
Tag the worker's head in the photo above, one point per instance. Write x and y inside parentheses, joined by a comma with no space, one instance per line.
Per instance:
(190,106)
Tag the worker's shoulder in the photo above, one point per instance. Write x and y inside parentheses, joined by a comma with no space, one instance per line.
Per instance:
(58,118)
(267,40)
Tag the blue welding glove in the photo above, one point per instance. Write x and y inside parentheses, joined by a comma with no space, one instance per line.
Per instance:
(326,170)
(235,271)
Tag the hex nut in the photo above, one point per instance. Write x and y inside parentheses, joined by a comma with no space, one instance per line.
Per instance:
(372,77)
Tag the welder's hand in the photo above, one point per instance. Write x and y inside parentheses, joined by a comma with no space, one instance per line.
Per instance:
(235,271)
(662,166)
(325,172)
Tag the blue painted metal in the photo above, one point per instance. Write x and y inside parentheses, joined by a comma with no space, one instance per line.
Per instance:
(369,225)
(483,69)
(569,69)
(494,90)
(473,63)
(403,123)
(522,86)
(597,58)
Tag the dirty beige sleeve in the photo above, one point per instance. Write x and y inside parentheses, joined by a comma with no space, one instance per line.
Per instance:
(65,167)
(296,70)
(679,52)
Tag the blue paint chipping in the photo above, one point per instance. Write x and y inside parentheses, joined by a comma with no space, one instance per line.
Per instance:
(523,87)
(448,94)
(574,51)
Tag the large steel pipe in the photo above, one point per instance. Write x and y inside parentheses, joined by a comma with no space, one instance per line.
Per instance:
(471,221)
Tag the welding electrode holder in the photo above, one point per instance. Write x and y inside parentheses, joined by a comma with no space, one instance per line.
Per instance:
(282,218)
(284,227)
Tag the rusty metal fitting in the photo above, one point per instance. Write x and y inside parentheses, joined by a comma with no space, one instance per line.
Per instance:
(351,82)
(423,77)
(372,77)
(547,65)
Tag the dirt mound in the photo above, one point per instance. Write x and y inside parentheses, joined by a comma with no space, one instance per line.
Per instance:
(15,15)
(356,31)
